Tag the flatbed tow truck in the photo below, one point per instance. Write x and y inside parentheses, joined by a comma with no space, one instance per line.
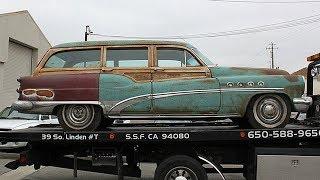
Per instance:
(103,151)
(187,151)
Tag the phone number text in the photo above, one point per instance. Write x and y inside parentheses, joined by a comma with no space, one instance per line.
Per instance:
(302,133)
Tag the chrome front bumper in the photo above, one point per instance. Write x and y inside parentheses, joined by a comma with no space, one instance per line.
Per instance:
(302,104)
(45,107)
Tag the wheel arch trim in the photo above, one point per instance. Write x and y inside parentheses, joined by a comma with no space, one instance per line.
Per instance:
(282,94)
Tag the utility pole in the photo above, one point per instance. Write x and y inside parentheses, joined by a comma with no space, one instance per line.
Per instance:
(272,47)
(88,32)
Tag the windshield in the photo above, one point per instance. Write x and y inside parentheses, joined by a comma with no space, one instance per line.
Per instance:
(202,57)
(16,115)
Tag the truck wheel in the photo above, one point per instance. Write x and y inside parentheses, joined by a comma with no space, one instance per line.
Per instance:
(79,117)
(268,111)
(180,167)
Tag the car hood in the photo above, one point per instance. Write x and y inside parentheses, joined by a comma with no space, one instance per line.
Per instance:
(232,71)
(9,124)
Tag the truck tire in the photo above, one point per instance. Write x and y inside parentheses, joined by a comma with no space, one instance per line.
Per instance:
(268,111)
(180,167)
(79,117)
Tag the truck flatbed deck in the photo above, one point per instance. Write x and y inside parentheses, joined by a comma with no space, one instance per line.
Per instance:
(140,134)
(102,151)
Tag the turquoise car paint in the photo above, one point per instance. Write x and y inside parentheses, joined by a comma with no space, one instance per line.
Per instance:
(191,96)
(239,85)
(226,93)
(118,93)
(236,71)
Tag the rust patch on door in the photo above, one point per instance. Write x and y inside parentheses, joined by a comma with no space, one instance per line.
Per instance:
(177,75)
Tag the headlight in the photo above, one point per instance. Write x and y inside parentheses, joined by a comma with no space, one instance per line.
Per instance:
(315,70)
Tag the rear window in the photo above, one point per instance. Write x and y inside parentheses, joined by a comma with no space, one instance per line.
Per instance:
(75,59)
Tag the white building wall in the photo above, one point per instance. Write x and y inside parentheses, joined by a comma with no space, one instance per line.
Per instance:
(19,27)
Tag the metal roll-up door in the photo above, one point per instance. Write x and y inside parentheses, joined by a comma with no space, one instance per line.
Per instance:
(19,64)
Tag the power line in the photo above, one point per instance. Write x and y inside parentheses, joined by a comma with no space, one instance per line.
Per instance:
(87,32)
(272,48)
(256,29)
(288,38)
(266,2)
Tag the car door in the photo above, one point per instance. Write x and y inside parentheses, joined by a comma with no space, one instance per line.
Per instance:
(125,82)
(71,73)
(182,84)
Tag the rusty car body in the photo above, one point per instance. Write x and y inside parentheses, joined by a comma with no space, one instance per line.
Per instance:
(88,83)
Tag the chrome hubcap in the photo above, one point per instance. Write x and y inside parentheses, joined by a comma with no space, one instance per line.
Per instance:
(78,116)
(181,173)
(181,178)
(78,112)
(269,110)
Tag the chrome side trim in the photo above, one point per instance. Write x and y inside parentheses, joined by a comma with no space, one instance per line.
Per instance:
(119,106)
(252,89)
(114,108)
(181,93)
(175,116)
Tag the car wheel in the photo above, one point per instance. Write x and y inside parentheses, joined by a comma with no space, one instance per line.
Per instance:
(79,117)
(268,111)
(180,167)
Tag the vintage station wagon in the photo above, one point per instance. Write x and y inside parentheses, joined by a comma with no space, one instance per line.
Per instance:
(91,83)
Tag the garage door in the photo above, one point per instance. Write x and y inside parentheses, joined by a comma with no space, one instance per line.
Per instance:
(19,64)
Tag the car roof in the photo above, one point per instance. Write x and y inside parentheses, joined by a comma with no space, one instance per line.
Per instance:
(121,43)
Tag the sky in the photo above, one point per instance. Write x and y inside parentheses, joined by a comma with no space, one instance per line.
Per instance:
(65,21)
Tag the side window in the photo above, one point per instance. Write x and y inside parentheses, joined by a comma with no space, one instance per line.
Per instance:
(127,57)
(191,61)
(75,59)
(173,57)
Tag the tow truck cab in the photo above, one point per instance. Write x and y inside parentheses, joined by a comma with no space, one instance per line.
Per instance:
(313,85)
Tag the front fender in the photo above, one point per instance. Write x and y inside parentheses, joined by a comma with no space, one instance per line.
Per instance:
(237,91)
